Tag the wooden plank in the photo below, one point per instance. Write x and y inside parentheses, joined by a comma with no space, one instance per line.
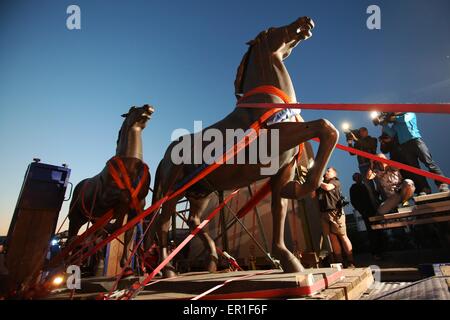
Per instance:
(415,210)
(398,224)
(432,197)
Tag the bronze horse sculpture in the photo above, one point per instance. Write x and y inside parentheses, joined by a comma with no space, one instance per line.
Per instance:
(261,66)
(94,196)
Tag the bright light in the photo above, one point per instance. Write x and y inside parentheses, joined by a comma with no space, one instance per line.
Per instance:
(346,126)
(374,114)
(54,242)
(58,280)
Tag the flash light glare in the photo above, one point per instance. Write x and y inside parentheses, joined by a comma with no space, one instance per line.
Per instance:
(374,114)
(58,280)
(345,126)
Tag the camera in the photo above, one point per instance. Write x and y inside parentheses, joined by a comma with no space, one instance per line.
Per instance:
(352,135)
(382,118)
(343,202)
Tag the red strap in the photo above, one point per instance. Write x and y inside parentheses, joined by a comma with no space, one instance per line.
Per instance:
(380,107)
(115,175)
(124,172)
(141,182)
(393,163)
(257,197)
(267,90)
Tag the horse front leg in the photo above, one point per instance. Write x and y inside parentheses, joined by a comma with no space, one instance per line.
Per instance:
(127,242)
(196,207)
(168,209)
(292,134)
(288,261)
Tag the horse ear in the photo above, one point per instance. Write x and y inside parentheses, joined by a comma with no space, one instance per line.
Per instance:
(129,111)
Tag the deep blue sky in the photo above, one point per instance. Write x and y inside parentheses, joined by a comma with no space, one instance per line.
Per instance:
(62,92)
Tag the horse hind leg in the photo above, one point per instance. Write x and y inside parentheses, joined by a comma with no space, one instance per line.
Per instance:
(288,261)
(292,134)
(197,207)
(167,211)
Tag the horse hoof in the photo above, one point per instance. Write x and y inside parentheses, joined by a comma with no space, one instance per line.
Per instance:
(292,266)
(288,261)
(168,273)
(212,266)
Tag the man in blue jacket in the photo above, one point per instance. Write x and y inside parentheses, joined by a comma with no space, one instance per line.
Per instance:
(404,126)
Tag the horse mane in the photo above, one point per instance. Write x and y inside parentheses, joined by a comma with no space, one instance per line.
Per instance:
(122,129)
(239,81)
(118,136)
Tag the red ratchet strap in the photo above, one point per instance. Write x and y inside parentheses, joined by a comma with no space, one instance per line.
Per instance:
(137,286)
(380,107)
(268,90)
(125,182)
(257,197)
(393,163)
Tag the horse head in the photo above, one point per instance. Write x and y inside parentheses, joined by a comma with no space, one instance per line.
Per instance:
(275,43)
(129,140)
(138,117)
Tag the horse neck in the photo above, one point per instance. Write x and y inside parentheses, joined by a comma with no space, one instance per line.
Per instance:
(267,69)
(130,143)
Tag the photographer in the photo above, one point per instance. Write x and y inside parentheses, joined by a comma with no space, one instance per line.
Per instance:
(390,145)
(404,127)
(332,216)
(393,188)
(360,200)
(362,141)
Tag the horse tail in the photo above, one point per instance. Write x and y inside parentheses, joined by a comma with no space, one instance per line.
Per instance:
(76,197)
(157,188)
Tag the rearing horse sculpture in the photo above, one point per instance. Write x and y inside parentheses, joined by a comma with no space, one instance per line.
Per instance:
(110,189)
(261,67)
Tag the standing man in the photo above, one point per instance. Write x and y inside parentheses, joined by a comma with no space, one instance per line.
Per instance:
(360,200)
(364,143)
(404,126)
(332,217)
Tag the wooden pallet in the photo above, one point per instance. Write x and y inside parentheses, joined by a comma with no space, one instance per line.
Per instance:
(325,283)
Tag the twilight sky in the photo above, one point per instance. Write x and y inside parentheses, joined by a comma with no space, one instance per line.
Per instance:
(62,91)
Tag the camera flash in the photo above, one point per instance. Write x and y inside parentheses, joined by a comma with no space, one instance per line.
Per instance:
(345,126)
(374,114)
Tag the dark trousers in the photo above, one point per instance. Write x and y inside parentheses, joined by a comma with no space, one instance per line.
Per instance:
(375,236)
(416,150)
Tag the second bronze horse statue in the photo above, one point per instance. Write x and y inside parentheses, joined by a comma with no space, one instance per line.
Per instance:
(110,189)
(262,66)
